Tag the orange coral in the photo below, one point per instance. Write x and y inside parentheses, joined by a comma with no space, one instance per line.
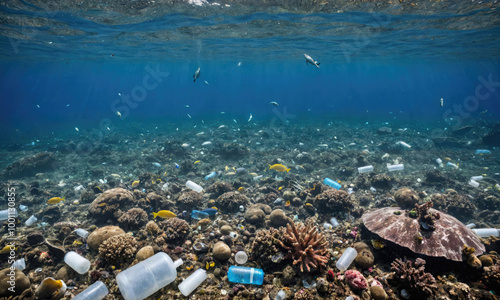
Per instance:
(308,246)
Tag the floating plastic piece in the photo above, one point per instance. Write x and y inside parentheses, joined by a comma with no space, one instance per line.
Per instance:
(365,169)
(281,295)
(199,215)
(346,259)
(96,291)
(19,264)
(487,232)
(82,232)
(483,151)
(4,214)
(332,183)
(398,167)
(211,175)
(477,178)
(192,282)
(147,277)
(77,262)
(349,298)
(23,207)
(470,225)
(241,257)
(307,285)
(245,275)
(195,187)
(450,164)
(473,183)
(334,222)
(32,220)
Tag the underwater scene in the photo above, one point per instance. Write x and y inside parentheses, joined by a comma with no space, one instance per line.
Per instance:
(242,149)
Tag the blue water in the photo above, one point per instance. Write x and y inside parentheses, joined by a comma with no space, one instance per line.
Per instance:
(67,68)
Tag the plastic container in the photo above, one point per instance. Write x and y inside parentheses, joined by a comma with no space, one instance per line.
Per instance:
(334,222)
(82,232)
(473,183)
(327,226)
(392,168)
(195,187)
(450,164)
(147,277)
(20,264)
(483,151)
(211,175)
(199,215)
(241,257)
(280,296)
(332,183)
(477,178)
(365,169)
(470,225)
(487,232)
(23,207)
(77,262)
(32,220)
(96,291)
(192,282)
(4,214)
(346,259)
(245,275)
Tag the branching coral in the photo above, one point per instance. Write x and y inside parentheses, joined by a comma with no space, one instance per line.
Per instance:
(174,230)
(414,276)
(306,245)
(133,218)
(119,248)
(266,247)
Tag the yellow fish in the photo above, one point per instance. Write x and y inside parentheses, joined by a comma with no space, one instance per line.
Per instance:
(287,203)
(77,243)
(377,244)
(280,188)
(102,204)
(230,174)
(241,189)
(197,162)
(135,183)
(209,265)
(164,214)
(254,174)
(227,168)
(7,249)
(56,200)
(279,168)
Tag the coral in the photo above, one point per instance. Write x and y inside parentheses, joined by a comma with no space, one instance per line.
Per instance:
(306,246)
(219,188)
(487,201)
(278,217)
(399,227)
(266,247)
(173,230)
(133,218)
(152,227)
(118,249)
(332,200)
(413,276)
(453,203)
(231,150)
(406,198)
(381,181)
(109,204)
(30,165)
(231,201)
(97,237)
(188,200)
(355,279)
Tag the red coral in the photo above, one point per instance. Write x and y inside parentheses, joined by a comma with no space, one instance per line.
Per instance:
(308,246)
(355,279)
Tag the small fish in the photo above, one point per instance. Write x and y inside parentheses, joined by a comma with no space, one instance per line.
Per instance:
(56,200)
(227,168)
(135,183)
(241,189)
(274,103)
(8,248)
(206,82)
(310,60)
(441,101)
(287,203)
(156,164)
(254,174)
(119,114)
(164,214)
(378,244)
(210,211)
(77,243)
(189,268)
(210,265)
(196,75)
(249,119)
(230,174)
(308,204)
(279,168)
(447,158)
(102,204)
(206,143)
(280,188)
(196,162)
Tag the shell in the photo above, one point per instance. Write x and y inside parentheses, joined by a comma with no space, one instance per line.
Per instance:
(447,240)
(50,289)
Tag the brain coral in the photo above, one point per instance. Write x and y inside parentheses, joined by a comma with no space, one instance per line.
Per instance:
(110,203)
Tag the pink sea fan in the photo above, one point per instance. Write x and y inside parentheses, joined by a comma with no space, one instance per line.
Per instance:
(355,279)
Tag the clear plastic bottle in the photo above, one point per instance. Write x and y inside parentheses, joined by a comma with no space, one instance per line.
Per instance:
(245,275)
(77,262)
(192,282)
(32,220)
(147,277)
(346,259)
(96,291)
(199,215)
(82,232)
(365,169)
(195,187)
